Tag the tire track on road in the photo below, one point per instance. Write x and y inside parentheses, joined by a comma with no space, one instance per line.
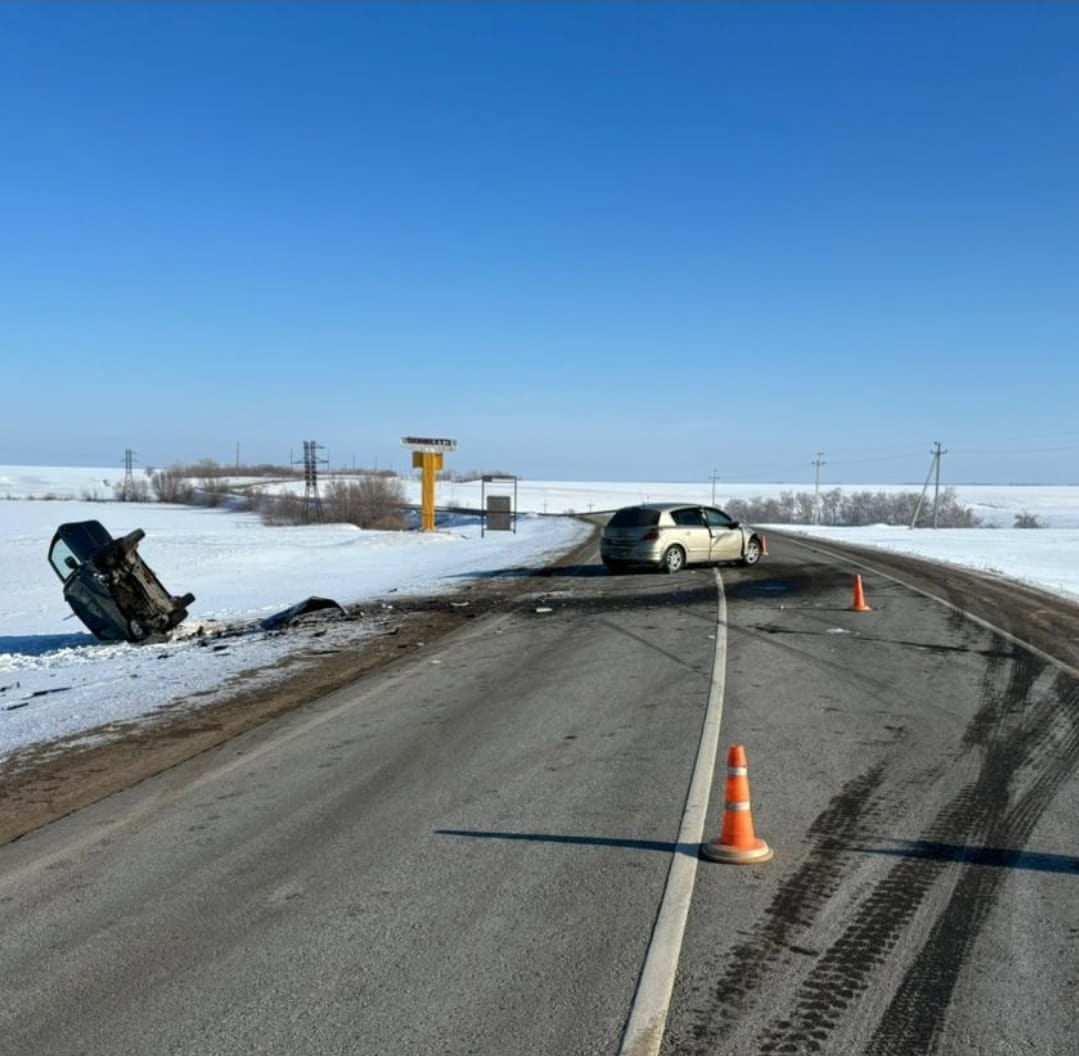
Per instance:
(793,908)
(1010,731)
(915,1017)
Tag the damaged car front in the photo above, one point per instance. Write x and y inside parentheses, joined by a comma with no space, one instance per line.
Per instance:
(109,586)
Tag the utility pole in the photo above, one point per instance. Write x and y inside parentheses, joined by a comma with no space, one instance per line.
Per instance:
(714,479)
(937,452)
(128,491)
(934,470)
(818,462)
(237,454)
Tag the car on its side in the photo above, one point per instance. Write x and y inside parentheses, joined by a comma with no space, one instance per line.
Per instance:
(671,535)
(109,586)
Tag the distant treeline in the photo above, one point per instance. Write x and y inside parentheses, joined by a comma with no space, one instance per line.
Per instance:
(853,508)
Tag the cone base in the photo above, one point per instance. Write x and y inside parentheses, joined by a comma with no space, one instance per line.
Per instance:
(721,852)
(860,608)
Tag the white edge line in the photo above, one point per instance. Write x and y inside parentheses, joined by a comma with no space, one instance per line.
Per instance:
(648,1016)
(1041,653)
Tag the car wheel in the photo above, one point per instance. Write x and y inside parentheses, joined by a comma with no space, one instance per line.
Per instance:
(674,559)
(615,567)
(753,552)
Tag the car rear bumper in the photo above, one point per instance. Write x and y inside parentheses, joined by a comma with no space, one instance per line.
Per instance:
(631,553)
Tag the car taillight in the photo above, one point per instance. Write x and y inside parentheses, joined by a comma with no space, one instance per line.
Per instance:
(650,537)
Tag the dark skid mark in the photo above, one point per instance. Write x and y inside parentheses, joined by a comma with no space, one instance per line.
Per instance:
(793,909)
(815,579)
(858,636)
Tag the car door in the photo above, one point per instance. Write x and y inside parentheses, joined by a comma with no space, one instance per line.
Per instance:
(726,539)
(692,532)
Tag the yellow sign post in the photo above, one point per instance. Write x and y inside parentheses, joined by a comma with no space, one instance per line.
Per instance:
(427,455)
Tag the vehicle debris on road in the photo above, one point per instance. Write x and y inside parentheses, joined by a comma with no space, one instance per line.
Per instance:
(302,608)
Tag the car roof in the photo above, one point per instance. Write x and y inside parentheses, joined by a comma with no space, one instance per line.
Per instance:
(665,507)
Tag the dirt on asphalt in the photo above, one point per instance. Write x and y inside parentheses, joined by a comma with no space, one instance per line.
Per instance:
(46,782)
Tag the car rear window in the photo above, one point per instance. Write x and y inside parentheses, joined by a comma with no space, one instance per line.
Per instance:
(635,517)
(688,518)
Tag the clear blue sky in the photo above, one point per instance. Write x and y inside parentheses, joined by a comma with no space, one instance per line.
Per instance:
(589,241)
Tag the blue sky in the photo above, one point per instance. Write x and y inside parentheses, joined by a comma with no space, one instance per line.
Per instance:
(588,241)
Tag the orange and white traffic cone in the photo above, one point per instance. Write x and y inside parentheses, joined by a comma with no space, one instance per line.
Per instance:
(764,546)
(737,843)
(859,597)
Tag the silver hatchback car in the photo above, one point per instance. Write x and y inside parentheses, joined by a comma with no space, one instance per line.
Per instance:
(671,535)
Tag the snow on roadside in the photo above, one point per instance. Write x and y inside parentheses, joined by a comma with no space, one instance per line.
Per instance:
(56,680)
(1045,558)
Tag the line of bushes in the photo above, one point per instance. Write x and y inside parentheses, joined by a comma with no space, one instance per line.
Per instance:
(853,508)
(376,502)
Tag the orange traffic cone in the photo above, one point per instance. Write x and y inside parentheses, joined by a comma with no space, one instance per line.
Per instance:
(859,597)
(764,546)
(738,843)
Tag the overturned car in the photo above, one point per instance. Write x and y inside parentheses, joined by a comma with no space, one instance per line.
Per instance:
(109,586)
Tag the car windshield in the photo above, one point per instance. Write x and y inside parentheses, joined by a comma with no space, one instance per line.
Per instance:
(635,517)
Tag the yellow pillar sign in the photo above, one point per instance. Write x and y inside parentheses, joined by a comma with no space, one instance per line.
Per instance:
(427,455)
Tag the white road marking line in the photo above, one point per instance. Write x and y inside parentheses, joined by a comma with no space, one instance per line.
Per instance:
(648,1016)
(858,562)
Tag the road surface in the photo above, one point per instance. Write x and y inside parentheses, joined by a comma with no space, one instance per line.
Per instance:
(466,852)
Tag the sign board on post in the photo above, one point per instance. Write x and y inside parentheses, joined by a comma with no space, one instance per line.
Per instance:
(428,454)
(499,513)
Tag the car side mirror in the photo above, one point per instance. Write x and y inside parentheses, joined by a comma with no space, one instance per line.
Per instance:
(736,524)
(71,563)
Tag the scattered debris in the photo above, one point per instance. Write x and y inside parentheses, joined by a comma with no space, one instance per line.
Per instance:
(303,608)
(543,608)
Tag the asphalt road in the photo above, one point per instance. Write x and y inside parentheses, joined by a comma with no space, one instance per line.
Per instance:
(466,852)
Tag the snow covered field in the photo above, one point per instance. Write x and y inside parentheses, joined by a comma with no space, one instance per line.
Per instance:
(1057,506)
(59,482)
(55,679)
